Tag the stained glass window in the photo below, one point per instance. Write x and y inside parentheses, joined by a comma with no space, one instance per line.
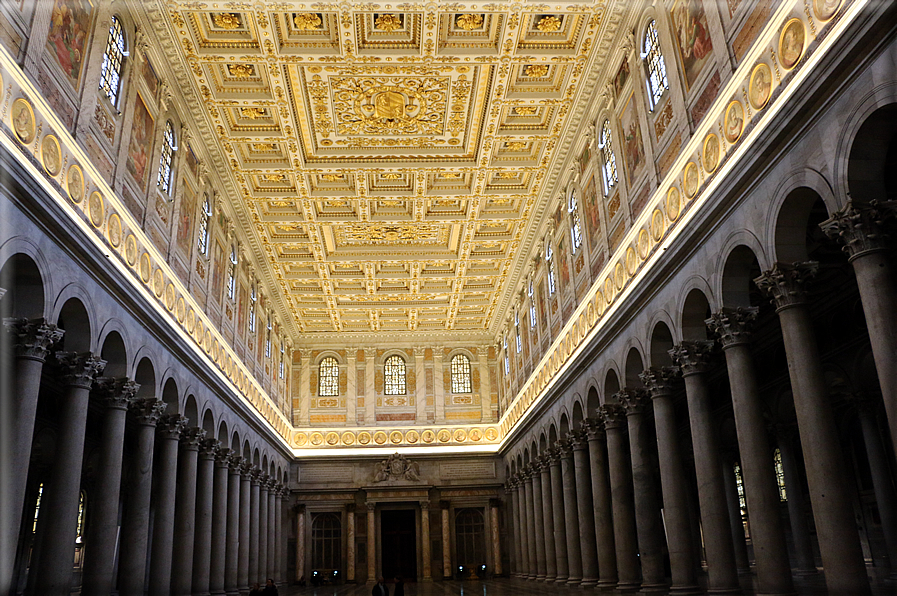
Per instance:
(40,493)
(780,475)
(394,376)
(110,74)
(609,160)
(79,537)
(461,374)
(742,500)
(202,239)
(328,377)
(575,224)
(168,149)
(657,69)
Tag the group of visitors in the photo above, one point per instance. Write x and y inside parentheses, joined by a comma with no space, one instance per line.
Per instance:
(269,590)
(381,589)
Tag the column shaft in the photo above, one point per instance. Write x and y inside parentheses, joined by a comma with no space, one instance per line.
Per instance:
(446,545)
(350,547)
(885,498)
(560,522)
(739,540)
(300,543)
(164,488)
(372,547)
(571,513)
(551,561)
(538,524)
(261,574)
(272,532)
(586,510)
(601,504)
(532,569)
(57,525)
(426,557)
(245,517)
(278,538)
(231,551)
(800,528)
(185,512)
(218,547)
(102,533)
(135,521)
(254,540)
(496,539)
(202,540)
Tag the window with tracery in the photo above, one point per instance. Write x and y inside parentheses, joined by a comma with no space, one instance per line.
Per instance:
(394,376)
(232,274)
(113,57)
(657,70)
(328,377)
(461,374)
(202,235)
(552,280)
(168,149)
(470,537)
(780,475)
(325,539)
(575,223)
(608,159)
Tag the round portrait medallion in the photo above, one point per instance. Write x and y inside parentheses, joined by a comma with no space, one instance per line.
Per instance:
(113,230)
(710,155)
(826,9)
(51,155)
(760,86)
(74,183)
(734,121)
(672,205)
(95,208)
(22,119)
(791,43)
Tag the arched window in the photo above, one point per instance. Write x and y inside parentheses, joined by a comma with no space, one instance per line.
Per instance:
(325,540)
(113,57)
(328,377)
(268,339)
(517,331)
(461,374)
(552,280)
(202,236)
(657,69)
(532,305)
(283,353)
(575,224)
(232,274)
(470,537)
(168,149)
(253,298)
(780,475)
(608,159)
(504,342)
(394,376)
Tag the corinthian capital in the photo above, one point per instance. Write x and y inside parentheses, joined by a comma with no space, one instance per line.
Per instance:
(613,416)
(860,226)
(692,357)
(660,382)
(172,425)
(79,370)
(148,410)
(117,393)
(634,401)
(733,325)
(32,338)
(784,283)
(191,438)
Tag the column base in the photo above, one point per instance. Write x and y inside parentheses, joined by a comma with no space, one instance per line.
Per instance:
(806,572)
(628,586)
(589,582)
(607,584)
(561,579)
(776,593)
(574,582)
(685,590)
(737,590)
(540,578)
(654,589)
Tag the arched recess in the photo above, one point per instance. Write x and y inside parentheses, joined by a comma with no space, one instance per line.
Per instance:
(208,424)
(543,443)
(222,433)
(256,459)
(695,311)
(526,458)
(739,273)
(74,319)
(634,367)
(611,386)
(592,402)
(115,355)
(235,442)
(247,451)
(552,434)
(661,344)
(577,415)
(264,464)
(170,397)
(24,298)
(872,163)
(145,376)
(797,236)
(564,426)
(191,411)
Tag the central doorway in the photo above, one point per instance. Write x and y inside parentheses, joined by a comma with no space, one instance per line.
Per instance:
(398,544)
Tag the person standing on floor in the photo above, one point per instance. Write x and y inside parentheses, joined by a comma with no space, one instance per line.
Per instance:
(399,590)
(270,588)
(380,588)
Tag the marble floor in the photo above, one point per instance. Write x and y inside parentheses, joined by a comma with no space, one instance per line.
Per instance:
(809,586)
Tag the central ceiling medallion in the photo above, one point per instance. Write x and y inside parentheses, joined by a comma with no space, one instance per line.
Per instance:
(307,21)
(391,234)
(390,106)
(388,22)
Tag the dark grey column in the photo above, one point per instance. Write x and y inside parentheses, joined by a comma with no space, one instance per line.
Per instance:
(733,504)
(601,504)
(219,523)
(839,544)
(243,552)
(263,528)
(185,512)
(31,340)
(272,527)
(280,565)
(135,521)
(102,532)
(538,521)
(58,522)
(620,471)
(254,478)
(231,562)
(648,522)
(585,508)
(513,526)
(205,495)
(761,491)
(862,228)
(794,489)
(551,561)
(522,548)
(532,571)
(164,487)
(660,384)
(571,513)
(693,358)
(885,497)
(557,512)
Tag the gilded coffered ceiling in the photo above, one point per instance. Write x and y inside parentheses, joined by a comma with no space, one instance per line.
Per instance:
(394,160)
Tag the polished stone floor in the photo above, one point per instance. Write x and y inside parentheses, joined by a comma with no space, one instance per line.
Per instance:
(809,586)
